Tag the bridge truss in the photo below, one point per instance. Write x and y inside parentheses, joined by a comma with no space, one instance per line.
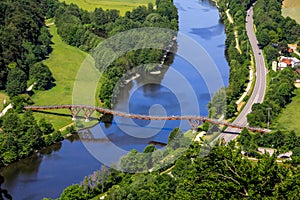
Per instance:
(194,121)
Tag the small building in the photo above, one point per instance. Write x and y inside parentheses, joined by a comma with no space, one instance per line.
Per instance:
(288,61)
(282,65)
(295,62)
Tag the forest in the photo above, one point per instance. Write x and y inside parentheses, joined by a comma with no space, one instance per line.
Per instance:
(22,135)
(223,173)
(25,40)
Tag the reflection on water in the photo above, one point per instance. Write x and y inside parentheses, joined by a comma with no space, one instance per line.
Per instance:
(48,172)
(208,33)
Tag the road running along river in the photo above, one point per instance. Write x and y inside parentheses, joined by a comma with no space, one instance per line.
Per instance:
(47,173)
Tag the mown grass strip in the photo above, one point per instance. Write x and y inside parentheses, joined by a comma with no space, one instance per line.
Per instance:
(64,63)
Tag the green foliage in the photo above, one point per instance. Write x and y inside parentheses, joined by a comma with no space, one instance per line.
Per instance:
(41,76)
(281,140)
(278,95)
(296,151)
(223,174)
(20,136)
(45,127)
(22,44)
(74,192)
(149,149)
(16,82)
(217,105)
(18,102)
(239,63)
(272,27)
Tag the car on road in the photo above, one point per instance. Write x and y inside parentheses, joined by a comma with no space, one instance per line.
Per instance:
(259,53)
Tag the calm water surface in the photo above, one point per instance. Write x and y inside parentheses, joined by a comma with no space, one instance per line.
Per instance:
(47,173)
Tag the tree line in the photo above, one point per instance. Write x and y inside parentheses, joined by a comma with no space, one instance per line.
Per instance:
(282,141)
(279,94)
(224,173)
(274,31)
(239,62)
(25,41)
(21,135)
(85,30)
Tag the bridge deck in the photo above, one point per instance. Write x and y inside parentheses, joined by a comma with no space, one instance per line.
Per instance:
(145,117)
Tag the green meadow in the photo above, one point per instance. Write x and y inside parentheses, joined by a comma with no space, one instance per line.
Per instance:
(121,5)
(291,8)
(64,63)
(289,118)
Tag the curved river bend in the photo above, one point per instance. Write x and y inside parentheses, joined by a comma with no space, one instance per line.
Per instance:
(47,173)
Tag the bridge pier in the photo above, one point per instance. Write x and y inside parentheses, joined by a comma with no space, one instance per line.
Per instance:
(74,112)
(87,113)
(194,123)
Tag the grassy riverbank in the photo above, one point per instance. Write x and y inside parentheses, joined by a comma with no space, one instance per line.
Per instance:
(289,117)
(64,63)
(122,5)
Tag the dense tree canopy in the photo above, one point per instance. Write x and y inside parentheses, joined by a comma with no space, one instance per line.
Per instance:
(223,174)
(239,61)
(279,94)
(21,135)
(24,41)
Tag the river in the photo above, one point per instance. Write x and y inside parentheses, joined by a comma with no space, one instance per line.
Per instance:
(47,173)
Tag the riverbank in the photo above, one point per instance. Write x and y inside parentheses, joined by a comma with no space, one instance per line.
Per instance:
(50,173)
(238,56)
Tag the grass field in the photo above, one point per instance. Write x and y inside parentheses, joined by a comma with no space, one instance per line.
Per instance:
(64,63)
(291,4)
(3,97)
(122,5)
(289,119)
(291,8)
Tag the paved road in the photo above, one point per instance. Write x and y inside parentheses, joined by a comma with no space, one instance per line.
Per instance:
(260,83)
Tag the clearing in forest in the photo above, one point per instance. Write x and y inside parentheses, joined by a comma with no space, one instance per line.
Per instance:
(64,63)
(289,117)
(291,8)
(121,5)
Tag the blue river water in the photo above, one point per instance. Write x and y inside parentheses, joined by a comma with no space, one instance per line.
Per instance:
(184,89)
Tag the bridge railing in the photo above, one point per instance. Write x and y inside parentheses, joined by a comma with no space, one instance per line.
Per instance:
(141,116)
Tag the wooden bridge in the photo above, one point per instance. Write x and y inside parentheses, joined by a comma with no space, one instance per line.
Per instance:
(194,121)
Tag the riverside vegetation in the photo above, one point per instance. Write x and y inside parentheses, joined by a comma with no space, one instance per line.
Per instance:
(223,173)
(25,45)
